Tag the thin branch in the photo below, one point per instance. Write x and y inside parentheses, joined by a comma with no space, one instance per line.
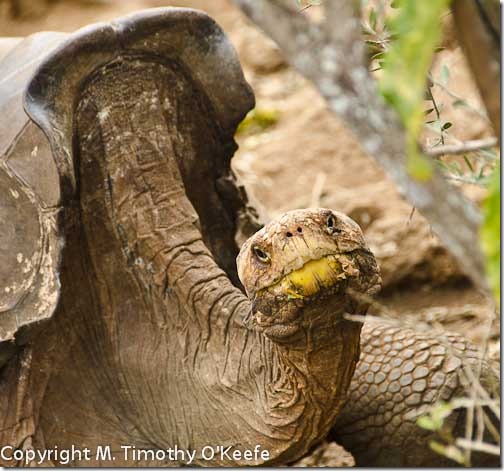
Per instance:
(491,428)
(305,8)
(478,446)
(436,109)
(466,403)
(463,179)
(462,148)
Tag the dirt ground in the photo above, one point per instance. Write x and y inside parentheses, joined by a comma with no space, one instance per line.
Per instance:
(309,158)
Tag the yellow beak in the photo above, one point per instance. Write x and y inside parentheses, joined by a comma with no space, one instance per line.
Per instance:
(314,276)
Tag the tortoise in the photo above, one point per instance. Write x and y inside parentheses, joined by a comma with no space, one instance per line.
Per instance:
(126,324)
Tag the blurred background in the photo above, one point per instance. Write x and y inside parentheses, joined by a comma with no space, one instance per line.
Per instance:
(294,153)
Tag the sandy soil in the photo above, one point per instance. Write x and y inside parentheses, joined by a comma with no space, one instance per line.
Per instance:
(309,158)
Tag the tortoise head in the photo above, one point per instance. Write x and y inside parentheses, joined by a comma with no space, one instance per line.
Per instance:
(304,270)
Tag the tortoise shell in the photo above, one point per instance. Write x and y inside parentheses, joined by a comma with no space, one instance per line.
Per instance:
(40,84)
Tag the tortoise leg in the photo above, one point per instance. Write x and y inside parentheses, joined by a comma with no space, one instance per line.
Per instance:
(400,373)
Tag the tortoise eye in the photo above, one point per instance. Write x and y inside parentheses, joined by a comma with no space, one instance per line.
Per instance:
(331,225)
(261,254)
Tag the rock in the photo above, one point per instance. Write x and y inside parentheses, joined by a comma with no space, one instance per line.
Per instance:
(327,455)
(260,53)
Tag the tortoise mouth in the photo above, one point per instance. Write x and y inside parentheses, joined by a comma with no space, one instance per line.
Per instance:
(280,309)
(314,277)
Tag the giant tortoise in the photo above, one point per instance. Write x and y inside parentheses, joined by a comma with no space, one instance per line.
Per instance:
(126,325)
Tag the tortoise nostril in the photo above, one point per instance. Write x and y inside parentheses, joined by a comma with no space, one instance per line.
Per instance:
(289,234)
(299,230)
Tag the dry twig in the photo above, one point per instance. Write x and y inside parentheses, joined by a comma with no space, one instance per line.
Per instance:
(462,148)
(478,446)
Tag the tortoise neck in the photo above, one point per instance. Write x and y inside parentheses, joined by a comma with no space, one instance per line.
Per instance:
(148,134)
(303,385)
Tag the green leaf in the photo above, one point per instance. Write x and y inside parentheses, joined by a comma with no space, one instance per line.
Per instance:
(435,418)
(489,154)
(372,18)
(426,423)
(417,27)
(441,410)
(459,102)
(258,119)
(469,164)
(455,168)
(304,3)
(441,164)
(444,75)
(378,54)
(490,232)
